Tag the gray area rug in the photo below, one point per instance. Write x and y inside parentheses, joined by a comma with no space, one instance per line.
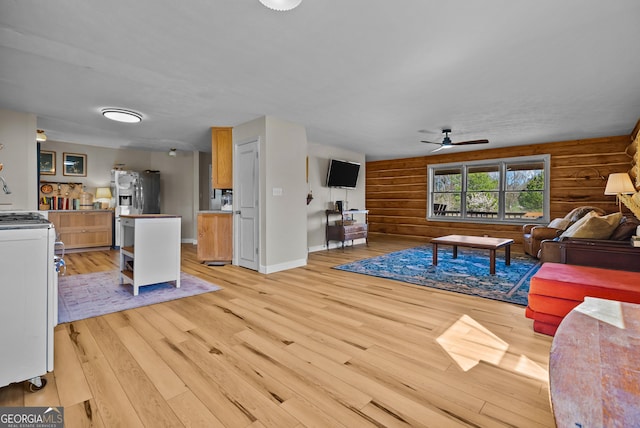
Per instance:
(93,294)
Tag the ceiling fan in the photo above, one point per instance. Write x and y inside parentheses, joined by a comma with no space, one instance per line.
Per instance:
(446,142)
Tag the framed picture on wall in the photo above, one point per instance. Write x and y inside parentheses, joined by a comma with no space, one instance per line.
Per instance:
(74,164)
(47,162)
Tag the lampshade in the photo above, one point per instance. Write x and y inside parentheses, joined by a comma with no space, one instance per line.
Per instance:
(41,136)
(281,5)
(619,183)
(103,193)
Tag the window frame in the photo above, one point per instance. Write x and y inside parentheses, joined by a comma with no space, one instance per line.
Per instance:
(501,163)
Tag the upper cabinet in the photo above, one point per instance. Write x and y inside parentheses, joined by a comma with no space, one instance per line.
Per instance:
(221,158)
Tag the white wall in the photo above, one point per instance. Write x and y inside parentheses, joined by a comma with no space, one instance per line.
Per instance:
(19,159)
(283,233)
(286,192)
(325,197)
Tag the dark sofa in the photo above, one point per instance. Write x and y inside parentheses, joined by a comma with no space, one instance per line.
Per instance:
(613,253)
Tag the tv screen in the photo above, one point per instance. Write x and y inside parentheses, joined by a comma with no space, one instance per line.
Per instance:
(342,174)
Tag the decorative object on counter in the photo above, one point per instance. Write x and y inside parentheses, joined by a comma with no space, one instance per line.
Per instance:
(86,201)
(122,115)
(41,136)
(103,196)
(74,164)
(619,184)
(47,162)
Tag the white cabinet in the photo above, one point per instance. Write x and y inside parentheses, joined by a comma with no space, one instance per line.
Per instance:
(150,249)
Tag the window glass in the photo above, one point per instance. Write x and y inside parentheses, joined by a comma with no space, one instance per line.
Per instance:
(502,190)
(447,194)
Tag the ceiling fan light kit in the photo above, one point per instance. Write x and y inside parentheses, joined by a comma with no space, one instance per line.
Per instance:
(122,115)
(281,5)
(447,143)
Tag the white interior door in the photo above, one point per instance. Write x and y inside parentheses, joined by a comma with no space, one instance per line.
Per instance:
(247,205)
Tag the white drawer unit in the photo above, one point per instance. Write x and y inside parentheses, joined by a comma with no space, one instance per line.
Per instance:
(150,249)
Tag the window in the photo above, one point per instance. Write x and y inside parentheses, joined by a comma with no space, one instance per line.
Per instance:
(501,190)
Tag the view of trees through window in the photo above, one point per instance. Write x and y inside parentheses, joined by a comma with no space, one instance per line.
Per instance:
(504,190)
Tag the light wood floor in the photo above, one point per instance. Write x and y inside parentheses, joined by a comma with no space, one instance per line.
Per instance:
(308,347)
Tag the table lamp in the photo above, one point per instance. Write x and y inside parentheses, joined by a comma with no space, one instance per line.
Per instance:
(619,183)
(102,194)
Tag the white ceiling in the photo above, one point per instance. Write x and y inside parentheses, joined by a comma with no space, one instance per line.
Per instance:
(366,75)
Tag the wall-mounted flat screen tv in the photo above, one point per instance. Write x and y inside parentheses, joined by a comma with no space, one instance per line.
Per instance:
(342,174)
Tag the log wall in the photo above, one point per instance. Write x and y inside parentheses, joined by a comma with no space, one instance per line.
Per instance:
(396,190)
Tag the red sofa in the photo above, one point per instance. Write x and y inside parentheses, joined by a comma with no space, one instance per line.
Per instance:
(558,288)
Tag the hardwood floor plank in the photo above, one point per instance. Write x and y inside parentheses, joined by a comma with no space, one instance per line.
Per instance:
(148,403)
(159,373)
(311,346)
(192,412)
(112,402)
(71,383)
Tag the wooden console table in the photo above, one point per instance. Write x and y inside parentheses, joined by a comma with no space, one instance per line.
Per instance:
(594,366)
(347,229)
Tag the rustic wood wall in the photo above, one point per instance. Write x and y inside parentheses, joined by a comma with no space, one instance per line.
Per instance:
(396,190)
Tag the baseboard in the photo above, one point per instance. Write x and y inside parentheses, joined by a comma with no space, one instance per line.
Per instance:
(283,266)
(336,244)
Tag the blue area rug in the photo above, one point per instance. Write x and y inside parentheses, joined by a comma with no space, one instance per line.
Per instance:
(468,274)
(93,294)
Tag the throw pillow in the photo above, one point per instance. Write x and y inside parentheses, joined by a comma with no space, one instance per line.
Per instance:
(559,223)
(596,227)
(577,213)
(625,230)
(575,226)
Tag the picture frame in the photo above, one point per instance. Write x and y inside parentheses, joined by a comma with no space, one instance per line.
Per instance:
(47,162)
(74,164)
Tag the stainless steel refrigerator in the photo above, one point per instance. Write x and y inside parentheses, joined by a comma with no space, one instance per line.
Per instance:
(134,192)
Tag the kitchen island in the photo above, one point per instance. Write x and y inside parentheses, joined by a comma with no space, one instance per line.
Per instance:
(150,249)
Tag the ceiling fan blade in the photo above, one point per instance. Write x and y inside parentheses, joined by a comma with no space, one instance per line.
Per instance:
(438,149)
(430,142)
(464,143)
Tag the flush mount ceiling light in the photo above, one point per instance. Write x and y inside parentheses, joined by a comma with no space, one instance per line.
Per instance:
(122,115)
(281,5)
(41,136)
(172,153)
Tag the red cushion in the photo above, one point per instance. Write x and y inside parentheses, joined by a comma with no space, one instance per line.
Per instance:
(573,282)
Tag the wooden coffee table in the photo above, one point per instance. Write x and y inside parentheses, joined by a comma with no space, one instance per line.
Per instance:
(487,243)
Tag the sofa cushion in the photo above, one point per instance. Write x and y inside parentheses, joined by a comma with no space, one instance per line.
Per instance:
(560,223)
(573,282)
(625,230)
(577,213)
(592,226)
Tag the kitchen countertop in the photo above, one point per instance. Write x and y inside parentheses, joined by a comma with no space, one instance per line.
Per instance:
(78,211)
(150,216)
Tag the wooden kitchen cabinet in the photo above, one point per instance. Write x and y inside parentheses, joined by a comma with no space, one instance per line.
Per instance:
(215,237)
(83,229)
(222,158)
